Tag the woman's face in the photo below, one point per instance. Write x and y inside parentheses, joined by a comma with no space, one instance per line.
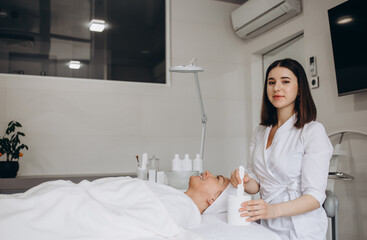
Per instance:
(208,183)
(282,88)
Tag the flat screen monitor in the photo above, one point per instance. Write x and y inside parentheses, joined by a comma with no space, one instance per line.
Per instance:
(348,28)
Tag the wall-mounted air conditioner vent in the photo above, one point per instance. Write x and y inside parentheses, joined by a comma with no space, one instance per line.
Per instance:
(257,16)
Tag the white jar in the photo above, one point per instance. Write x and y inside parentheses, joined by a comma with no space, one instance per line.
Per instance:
(233,214)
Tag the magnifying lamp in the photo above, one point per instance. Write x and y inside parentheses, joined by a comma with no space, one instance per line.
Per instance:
(193,68)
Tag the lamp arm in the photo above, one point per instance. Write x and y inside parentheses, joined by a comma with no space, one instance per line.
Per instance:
(203,129)
(203,115)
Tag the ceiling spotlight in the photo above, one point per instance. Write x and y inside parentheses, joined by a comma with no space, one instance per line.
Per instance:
(74,64)
(344,20)
(3,14)
(97,25)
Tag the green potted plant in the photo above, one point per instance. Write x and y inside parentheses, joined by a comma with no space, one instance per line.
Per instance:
(10,147)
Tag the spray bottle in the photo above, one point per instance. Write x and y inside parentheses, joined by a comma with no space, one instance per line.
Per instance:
(142,171)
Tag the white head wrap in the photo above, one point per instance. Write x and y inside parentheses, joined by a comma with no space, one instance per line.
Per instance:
(220,204)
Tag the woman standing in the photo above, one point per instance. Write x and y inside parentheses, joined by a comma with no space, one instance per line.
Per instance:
(289,158)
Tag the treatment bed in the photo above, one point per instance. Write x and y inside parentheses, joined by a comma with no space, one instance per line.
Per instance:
(113,208)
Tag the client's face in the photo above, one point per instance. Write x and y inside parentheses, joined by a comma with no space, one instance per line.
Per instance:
(207,183)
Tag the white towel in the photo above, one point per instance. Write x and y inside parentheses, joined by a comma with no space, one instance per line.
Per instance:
(220,204)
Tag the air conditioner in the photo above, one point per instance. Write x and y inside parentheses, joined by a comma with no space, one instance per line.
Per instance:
(255,17)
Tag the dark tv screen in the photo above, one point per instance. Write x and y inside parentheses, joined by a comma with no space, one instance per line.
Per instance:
(349,43)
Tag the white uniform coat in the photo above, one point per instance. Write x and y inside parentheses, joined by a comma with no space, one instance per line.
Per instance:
(296,163)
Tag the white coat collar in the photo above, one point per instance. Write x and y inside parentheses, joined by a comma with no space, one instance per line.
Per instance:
(284,128)
(288,124)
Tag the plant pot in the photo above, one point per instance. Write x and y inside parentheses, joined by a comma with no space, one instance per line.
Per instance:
(8,169)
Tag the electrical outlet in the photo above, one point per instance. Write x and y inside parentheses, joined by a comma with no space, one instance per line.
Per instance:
(314,82)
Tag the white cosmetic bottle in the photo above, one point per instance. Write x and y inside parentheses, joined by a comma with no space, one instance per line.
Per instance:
(177,164)
(186,163)
(197,164)
(234,203)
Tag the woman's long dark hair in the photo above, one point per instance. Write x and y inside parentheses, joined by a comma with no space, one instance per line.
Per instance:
(304,108)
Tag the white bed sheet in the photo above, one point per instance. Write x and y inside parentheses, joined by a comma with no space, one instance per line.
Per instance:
(107,209)
(215,227)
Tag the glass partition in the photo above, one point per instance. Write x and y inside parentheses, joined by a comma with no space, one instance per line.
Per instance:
(54,38)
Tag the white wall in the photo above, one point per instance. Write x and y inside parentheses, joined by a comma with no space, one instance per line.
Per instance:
(76,126)
(336,113)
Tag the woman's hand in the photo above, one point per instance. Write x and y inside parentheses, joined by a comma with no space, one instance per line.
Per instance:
(235,178)
(257,209)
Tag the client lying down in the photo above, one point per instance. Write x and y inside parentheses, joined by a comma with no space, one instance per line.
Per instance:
(121,208)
